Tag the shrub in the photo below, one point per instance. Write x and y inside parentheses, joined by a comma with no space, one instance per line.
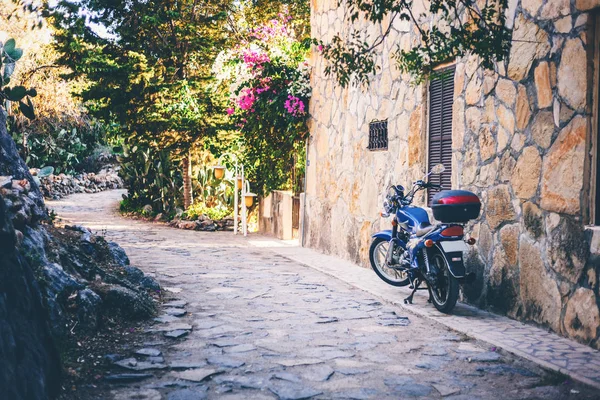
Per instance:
(64,147)
(198,209)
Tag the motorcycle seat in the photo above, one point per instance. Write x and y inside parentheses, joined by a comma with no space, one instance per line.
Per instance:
(424,228)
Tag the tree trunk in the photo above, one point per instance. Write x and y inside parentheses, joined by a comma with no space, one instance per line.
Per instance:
(187,181)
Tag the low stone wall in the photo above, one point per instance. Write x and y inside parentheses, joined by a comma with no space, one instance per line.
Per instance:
(61,185)
(275,215)
(203,224)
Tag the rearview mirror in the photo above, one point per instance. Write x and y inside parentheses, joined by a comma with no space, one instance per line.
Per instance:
(438,169)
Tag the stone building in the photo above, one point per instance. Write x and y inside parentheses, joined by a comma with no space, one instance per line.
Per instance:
(523,137)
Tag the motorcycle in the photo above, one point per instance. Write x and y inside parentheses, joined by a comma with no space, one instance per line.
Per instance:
(415,251)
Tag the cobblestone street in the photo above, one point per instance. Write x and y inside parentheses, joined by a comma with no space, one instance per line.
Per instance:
(242,322)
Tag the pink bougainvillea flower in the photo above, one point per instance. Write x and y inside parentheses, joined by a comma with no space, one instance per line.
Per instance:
(246,99)
(294,106)
(254,59)
(320,47)
(230,110)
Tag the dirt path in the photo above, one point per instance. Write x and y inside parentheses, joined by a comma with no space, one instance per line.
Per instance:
(260,326)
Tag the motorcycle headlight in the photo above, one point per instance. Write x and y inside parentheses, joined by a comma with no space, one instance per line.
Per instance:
(390,193)
(388,206)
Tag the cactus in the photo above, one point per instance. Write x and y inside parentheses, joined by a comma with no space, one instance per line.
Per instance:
(9,55)
(45,171)
(213,192)
(152,179)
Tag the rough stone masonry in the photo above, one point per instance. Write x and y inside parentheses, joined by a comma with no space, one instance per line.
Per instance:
(520,138)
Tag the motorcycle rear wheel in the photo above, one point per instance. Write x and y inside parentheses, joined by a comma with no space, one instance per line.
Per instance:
(445,294)
(377,256)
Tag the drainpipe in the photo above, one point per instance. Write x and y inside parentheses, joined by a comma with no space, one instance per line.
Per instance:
(306,164)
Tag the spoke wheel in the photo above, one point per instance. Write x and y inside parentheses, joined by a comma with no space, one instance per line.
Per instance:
(445,291)
(377,256)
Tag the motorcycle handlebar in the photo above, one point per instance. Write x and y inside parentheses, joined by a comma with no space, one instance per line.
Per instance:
(426,185)
(407,199)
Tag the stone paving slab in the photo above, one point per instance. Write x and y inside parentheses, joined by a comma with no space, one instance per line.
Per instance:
(544,348)
(274,328)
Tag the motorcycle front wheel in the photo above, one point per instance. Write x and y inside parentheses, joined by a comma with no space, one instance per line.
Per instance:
(445,291)
(377,256)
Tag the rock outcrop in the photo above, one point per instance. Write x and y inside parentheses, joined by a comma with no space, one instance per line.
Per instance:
(61,185)
(55,283)
(29,361)
(11,165)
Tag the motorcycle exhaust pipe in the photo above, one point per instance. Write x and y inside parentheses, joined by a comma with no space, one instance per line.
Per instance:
(470,278)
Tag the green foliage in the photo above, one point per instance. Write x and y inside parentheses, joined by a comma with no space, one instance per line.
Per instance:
(127,206)
(52,217)
(268,82)
(299,168)
(252,13)
(9,55)
(152,79)
(63,148)
(50,138)
(148,68)
(213,192)
(198,209)
(152,179)
(451,29)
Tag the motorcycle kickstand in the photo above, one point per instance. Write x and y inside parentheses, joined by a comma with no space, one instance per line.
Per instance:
(409,299)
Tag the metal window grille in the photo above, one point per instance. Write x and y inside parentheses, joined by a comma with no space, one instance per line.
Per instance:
(378,135)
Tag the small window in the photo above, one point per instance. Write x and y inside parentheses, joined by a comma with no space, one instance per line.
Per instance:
(378,135)
(441,98)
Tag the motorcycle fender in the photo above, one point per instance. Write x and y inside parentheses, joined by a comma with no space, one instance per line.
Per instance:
(387,235)
(456,264)
(454,253)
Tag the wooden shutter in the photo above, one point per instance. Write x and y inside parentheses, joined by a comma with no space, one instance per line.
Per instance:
(441,98)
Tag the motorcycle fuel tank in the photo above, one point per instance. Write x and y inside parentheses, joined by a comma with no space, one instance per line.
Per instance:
(410,218)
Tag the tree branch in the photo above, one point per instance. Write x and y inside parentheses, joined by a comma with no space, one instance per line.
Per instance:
(37,69)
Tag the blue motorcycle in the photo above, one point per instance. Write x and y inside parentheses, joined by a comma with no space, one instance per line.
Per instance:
(415,251)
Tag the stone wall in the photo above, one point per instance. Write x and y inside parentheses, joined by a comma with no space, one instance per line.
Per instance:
(520,138)
(275,214)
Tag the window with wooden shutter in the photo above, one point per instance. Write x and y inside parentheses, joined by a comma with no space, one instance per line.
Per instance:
(441,97)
